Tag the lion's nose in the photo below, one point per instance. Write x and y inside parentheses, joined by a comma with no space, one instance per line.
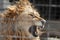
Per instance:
(43,22)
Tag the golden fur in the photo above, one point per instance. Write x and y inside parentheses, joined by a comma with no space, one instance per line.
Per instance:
(17,19)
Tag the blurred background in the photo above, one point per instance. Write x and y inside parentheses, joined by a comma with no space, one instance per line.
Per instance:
(49,10)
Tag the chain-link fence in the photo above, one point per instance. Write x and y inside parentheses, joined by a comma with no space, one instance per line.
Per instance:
(49,9)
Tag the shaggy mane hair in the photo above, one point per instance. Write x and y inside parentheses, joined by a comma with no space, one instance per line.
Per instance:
(16,20)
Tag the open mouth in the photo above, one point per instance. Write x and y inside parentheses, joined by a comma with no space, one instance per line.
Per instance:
(38,28)
(34,30)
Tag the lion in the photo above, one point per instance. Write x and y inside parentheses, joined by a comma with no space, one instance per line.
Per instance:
(21,22)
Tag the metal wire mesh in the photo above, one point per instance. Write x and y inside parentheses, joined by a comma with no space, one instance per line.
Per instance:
(49,9)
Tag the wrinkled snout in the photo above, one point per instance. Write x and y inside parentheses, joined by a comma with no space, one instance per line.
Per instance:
(40,26)
(43,21)
(40,23)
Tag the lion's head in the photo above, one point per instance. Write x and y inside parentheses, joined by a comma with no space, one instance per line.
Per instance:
(31,22)
(25,19)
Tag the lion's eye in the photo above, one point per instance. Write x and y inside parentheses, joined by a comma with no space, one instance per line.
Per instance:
(32,15)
